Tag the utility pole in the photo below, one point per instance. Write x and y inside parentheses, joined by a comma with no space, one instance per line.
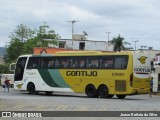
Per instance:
(108,39)
(73,21)
(135,43)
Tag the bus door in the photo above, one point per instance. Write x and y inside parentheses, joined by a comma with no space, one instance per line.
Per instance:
(19,70)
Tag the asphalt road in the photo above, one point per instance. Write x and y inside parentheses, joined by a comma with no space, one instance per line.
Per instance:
(22,101)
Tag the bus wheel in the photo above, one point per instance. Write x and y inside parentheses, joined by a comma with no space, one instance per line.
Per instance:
(31,88)
(121,96)
(48,93)
(91,91)
(103,91)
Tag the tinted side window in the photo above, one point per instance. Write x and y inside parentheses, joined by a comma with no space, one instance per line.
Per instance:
(107,62)
(92,62)
(120,62)
(50,62)
(34,63)
(62,62)
(77,62)
(41,63)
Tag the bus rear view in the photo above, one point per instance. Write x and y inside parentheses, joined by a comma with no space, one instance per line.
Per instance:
(140,79)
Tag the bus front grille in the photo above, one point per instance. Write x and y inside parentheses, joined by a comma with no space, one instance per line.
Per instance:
(120,85)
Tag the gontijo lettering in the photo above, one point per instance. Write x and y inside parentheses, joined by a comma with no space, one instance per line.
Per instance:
(81,73)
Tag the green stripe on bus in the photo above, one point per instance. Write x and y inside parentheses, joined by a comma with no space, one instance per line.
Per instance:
(47,78)
(57,77)
(53,78)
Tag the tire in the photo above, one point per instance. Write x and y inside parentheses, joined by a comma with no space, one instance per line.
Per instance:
(49,93)
(91,91)
(31,89)
(103,91)
(121,96)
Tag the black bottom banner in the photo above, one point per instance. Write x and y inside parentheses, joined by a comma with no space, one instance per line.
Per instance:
(79,113)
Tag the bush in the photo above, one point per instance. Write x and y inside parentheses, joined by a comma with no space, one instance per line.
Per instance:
(4,69)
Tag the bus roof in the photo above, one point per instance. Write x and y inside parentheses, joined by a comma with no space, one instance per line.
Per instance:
(82,53)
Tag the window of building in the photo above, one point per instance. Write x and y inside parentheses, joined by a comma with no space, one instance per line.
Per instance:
(62,44)
(81,45)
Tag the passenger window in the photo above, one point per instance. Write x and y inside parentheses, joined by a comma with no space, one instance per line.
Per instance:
(92,62)
(33,63)
(51,63)
(77,62)
(62,62)
(120,62)
(107,62)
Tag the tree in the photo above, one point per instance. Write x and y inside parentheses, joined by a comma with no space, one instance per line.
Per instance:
(119,43)
(13,50)
(30,44)
(44,37)
(24,39)
(22,33)
(47,36)
(15,47)
(4,69)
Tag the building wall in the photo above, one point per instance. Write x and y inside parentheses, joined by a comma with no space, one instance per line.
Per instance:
(89,45)
(39,50)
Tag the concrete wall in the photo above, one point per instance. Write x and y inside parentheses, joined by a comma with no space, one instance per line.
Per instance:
(89,45)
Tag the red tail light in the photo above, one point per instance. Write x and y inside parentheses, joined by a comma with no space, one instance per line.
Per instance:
(131,79)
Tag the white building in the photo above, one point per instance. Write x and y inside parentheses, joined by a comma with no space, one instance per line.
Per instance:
(80,42)
(156,72)
(85,45)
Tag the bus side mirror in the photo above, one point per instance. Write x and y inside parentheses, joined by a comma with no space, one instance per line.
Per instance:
(12,67)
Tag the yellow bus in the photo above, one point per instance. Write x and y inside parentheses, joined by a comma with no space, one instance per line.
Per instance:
(97,74)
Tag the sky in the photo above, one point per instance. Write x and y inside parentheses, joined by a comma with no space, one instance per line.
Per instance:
(135,20)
